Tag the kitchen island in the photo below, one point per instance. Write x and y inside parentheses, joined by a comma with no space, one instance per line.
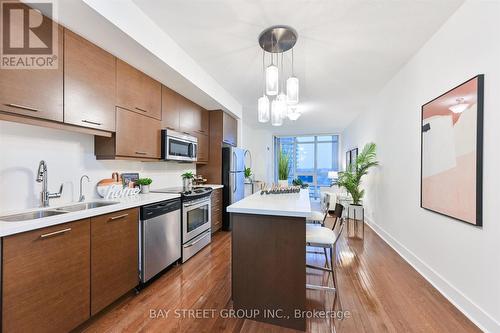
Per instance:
(268,257)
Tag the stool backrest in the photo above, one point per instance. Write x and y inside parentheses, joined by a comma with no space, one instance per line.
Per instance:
(339,209)
(325,203)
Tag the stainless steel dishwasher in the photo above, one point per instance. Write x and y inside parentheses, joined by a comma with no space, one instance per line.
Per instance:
(159,237)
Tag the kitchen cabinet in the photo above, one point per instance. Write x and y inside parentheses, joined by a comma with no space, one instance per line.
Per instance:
(136,91)
(170,115)
(34,92)
(229,129)
(216,210)
(114,256)
(136,136)
(203,147)
(45,282)
(223,130)
(89,84)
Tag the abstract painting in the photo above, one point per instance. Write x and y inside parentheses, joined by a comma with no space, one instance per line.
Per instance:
(452,152)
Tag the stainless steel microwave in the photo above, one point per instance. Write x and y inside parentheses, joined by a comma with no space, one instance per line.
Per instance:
(177,146)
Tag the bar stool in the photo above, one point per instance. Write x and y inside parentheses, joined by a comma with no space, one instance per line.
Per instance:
(320,216)
(318,236)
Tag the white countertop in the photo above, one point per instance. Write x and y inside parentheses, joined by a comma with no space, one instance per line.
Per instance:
(10,228)
(293,204)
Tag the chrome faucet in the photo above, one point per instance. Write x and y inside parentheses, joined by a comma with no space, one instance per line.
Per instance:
(42,176)
(82,197)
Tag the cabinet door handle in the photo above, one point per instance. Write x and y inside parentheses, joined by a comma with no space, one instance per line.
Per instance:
(50,234)
(142,110)
(91,122)
(141,153)
(114,218)
(24,107)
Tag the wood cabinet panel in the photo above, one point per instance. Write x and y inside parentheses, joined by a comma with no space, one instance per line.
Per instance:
(204,121)
(229,129)
(45,284)
(203,147)
(186,114)
(137,135)
(136,91)
(89,84)
(170,116)
(34,92)
(216,210)
(114,256)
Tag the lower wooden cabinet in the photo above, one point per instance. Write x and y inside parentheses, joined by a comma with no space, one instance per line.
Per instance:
(114,256)
(45,283)
(216,210)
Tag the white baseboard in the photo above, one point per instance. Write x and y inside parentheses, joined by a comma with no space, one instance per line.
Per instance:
(478,316)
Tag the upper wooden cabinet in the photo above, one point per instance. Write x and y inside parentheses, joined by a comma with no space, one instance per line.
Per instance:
(203,147)
(136,91)
(45,279)
(181,114)
(34,92)
(136,137)
(170,117)
(229,129)
(89,84)
(114,256)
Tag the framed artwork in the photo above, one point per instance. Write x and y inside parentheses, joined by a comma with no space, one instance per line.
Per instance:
(350,156)
(348,159)
(452,153)
(129,179)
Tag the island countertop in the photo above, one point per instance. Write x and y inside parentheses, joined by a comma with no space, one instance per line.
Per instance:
(291,204)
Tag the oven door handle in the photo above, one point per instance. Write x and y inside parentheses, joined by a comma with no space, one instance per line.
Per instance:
(200,203)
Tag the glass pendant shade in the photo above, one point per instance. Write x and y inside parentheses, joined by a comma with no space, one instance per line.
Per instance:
(272,80)
(293,113)
(281,99)
(276,118)
(292,90)
(263,109)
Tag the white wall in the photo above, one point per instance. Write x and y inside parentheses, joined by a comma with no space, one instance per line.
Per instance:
(462,261)
(69,155)
(259,141)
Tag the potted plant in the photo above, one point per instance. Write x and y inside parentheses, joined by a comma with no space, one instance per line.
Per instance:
(144,184)
(350,179)
(248,175)
(299,182)
(187,181)
(283,169)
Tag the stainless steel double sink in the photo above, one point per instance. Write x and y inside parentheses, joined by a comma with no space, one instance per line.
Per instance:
(38,214)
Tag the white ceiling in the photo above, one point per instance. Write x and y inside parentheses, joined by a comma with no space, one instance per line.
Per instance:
(347,49)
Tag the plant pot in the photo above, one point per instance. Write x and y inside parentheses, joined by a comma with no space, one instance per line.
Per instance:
(283,183)
(144,189)
(187,184)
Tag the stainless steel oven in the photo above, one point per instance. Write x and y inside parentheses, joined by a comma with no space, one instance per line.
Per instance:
(196,218)
(176,146)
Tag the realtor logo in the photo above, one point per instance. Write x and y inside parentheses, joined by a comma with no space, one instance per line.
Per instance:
(29,38)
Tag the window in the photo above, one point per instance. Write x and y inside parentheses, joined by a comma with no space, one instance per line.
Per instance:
(311,159)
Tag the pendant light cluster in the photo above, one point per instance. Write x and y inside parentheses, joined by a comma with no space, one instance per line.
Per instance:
(279,97)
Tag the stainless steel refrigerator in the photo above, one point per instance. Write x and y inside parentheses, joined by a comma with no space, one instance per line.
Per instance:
(233,179)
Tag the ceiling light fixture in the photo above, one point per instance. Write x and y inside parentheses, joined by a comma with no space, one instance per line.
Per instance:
(460,107)
(277,40)
(293,112)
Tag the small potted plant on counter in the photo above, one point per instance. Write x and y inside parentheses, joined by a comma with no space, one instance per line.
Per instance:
(248,175)
(187,181)
(144,184)
(283,169)
(299,182)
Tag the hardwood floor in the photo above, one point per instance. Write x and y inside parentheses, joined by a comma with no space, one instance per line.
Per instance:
(378,290)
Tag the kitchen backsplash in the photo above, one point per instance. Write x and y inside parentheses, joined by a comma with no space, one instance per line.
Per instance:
(68,155)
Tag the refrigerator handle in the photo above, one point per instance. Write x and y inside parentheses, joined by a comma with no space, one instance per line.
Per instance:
(235,164)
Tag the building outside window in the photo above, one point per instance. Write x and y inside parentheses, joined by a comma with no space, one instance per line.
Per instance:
(311,159)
